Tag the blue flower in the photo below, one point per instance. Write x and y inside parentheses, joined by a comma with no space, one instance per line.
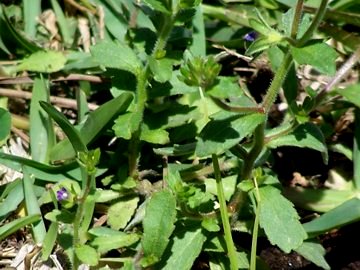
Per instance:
(251,36)
(62,194)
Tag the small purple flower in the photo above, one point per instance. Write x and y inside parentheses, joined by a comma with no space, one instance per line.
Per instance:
(251,36)
(62,194)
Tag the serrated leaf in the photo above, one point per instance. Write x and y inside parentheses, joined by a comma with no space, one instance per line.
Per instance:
(161,69)
(116,55)
(126,124)
(87,255)
(351,93)
(314,252)
(280,220)
(5,123)
(223,133)
(43,61)
(158,224)
(121,212)
(186,247)
(319,55)
(307,135)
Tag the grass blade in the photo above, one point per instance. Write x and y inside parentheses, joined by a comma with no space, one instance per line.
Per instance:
(42,136)
(32,10)
(13,226)
(32,206)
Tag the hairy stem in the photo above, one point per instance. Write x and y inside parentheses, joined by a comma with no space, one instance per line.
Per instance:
(255,228)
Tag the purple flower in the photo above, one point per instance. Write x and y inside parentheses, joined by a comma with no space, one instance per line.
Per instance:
(251,36)
(62,194)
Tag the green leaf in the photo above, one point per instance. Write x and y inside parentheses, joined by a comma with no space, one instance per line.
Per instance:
(161,68)
(73,135)
(126,124)
(230,84)
(318,200)
(116,55)
(348,212)
(307,135)
(121,212)
(155,136)
(32,11)
(109,240)
(158,224)
(319,55)
(62,22)
(42,136)
(186,246)
(40,170)
(12,200)
(222,133)
(94,124)
(32,206)
(5,123)
(15,225)
(280,220)
(159,5)
(87,255)
(351,93)
(314,252)
(49,241)
(43,61)
(198,45)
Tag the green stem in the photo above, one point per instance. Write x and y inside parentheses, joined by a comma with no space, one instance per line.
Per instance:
(277,82)
(255,229)
(297,18)
(141,95)
(314,24)
(224,215)
(238,109)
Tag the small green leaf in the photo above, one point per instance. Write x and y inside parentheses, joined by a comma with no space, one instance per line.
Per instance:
(43,61)
(159,5)
(161,68)
(222,133)
(126,124)
(210,224)
(186,247)
(280,220)
(116,55)
(314,252)
(121,212)
(189,3)
(87,255)
(106,243)
(5,123)
(351,93)
(307,135)
(158,224)
(155,136)
(319,55)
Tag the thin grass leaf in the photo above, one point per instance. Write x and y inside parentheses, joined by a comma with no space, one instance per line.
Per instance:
(41,170)
(42,136)
(73,135)
(94,124)
(17,224)
(356,150)
(32,10)
(63,24)
(23,42)
(32,206)
(14,197)
(49,241)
